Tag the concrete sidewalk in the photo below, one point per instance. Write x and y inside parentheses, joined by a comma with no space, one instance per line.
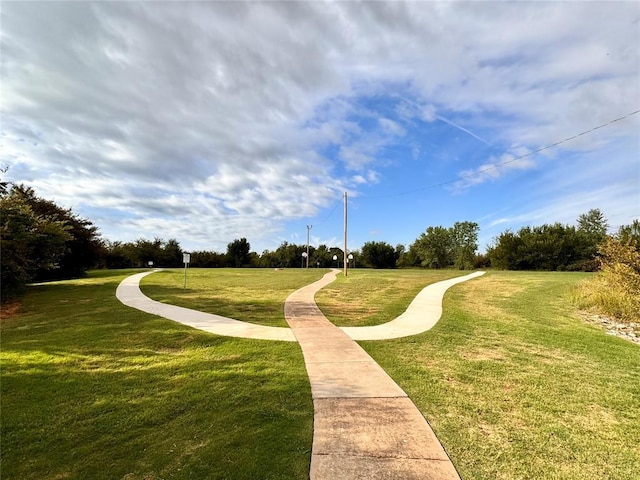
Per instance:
(365,426)
(421,315)
(129,293)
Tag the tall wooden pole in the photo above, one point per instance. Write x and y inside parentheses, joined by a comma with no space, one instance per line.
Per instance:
(344,260)
(308,229)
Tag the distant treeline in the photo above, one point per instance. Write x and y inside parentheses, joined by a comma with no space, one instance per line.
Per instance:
(42,241)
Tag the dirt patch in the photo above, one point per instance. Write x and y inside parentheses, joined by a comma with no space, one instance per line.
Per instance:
(9,310)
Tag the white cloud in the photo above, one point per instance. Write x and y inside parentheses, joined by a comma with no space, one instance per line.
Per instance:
(244,112)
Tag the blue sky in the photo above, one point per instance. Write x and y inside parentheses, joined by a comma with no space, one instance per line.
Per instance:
(210,121)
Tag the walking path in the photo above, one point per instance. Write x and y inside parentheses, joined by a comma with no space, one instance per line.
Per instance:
(365,426)
(421,315)
(129,293)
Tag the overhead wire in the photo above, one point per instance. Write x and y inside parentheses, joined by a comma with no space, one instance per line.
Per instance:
(506,162)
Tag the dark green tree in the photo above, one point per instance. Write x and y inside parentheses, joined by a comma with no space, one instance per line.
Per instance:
(378,255)
(592,227)
(238,253)
(321,257)
(171,254)
(82,249)
(630,234)
(31,243)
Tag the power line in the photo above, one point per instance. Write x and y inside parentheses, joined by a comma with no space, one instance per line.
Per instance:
(497,165)
(330,213)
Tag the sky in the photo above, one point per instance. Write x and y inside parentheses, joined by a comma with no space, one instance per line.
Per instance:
(212,121)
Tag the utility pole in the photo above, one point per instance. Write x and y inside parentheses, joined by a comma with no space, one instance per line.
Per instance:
(309,227)
(344,253)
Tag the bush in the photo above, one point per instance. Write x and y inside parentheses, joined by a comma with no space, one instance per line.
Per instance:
(615,291)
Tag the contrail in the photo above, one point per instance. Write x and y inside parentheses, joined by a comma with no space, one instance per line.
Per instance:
(462,128)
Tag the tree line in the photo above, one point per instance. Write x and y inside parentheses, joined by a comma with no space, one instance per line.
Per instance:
(41,241)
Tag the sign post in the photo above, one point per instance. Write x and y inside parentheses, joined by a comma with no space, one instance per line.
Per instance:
(186,258)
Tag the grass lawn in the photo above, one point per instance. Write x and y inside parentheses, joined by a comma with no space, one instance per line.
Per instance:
(92,389)
(250,295)
(515,385)
(372,297)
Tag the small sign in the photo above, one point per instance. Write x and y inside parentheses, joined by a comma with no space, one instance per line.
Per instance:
(151,263)
(186,258)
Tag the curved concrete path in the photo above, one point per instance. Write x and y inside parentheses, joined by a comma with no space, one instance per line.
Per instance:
(421,315)
(365,425)
(129,293)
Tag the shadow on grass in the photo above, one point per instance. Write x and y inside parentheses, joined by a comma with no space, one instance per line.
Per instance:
(94,389)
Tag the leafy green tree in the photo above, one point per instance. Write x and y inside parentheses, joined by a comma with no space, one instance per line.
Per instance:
(465,244)
(31,243)
(204,259)
(321,256)
(545,247)
(82,248)
(171,254)
(594,225)
(409,258)
(117,255)
(238,253)
(379,255)
(504,252)
(630,234)
(435,247)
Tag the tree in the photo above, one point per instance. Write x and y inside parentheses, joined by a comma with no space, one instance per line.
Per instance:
(321,256)
(545,247)
(30,242)
(504,252)
(82,248)
(378,255)
(203,259)
(435,247)
(171,255)
(630,234)
(592,227)
(409,258)
(238,253)
(465,244)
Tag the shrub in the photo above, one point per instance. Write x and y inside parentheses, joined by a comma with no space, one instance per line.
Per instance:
(615,291)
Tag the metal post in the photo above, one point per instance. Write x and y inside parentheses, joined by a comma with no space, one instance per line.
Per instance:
(186,258)
(184,286)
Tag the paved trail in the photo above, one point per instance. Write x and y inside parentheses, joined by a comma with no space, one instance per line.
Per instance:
(421,315)
(365,426)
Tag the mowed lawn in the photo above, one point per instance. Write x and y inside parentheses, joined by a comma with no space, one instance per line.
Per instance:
(92,389)
(513,383)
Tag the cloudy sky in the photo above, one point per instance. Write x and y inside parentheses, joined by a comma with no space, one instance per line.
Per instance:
(210,121)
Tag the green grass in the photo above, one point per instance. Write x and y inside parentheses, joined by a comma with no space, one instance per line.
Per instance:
(250,295)
(517,387)
(374,297)
(92,389)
